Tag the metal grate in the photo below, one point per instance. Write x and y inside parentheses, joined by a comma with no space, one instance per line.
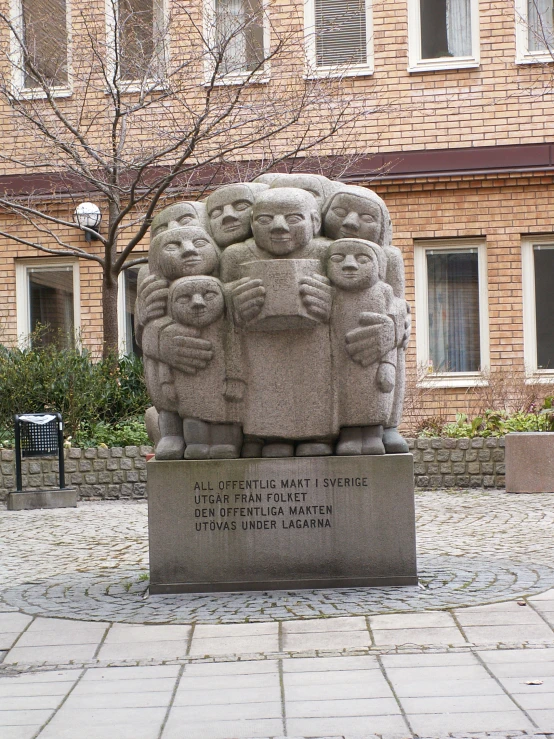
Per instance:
(38,435)
(39,440)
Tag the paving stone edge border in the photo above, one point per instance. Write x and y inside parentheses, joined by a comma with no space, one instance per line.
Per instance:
(119,473)
(22,667)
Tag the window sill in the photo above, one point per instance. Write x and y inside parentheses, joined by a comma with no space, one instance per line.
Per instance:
(337,72)
(239,79)
(537,57)
(444,65)
(36,94)
(540,377)
(132,88)
(453,380)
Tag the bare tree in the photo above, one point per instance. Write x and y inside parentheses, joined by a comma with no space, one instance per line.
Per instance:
(145,121)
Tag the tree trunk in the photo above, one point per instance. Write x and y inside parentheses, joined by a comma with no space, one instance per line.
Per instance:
(109,314)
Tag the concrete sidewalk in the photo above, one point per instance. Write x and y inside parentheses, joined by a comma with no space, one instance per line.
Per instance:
(481,669)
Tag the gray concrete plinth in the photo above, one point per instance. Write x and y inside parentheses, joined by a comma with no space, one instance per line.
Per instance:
(30,499)
(530,462)
(260,524)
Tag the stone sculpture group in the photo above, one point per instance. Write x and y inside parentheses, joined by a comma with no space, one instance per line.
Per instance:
(273,322)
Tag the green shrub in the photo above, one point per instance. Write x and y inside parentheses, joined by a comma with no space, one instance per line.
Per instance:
(497,423)
(87,393)
(131,432)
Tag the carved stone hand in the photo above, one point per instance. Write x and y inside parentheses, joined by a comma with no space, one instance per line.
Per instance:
(407,327)
(152,298)
(317,296)
(372,340)
(248,298)
(186,353)
(386,375)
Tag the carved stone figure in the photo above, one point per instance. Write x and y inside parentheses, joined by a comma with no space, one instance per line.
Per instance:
(301,345)
(360,213)
(320,187)
(209,408)
(229,210)
(364,394)
(176,251)
(289,368)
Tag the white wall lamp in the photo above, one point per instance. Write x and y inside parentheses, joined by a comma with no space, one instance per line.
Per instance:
(88,216)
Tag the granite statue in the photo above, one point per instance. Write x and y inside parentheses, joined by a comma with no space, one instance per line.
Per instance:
(274,323)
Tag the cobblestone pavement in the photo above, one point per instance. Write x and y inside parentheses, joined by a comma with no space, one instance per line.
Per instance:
(92,563)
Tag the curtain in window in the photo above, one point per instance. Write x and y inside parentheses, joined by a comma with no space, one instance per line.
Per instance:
(540,15)
(453,289)
(544,306)
(239,30)
(458,27)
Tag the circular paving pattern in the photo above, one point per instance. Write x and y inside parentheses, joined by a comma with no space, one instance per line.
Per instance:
(92,563)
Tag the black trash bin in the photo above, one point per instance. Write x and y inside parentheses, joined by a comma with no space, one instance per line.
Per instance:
(40,435)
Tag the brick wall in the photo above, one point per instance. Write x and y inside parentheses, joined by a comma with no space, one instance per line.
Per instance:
(499,102)
(120,472)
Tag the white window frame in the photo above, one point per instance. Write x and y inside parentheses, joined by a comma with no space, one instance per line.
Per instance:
(532,371)
(523,55)
(23,313)
(261,76)
(134,86)
(121,323)
(449,379)
(16,58)
(341,70)
(417,64)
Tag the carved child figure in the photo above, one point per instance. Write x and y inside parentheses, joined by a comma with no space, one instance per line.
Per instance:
(357,269)
(206,400)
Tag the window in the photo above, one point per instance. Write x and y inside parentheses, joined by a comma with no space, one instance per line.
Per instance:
(140,51)
(42,26)
(535,30)
(538,305)
(443,34)
(128,280)
(236,30)
(339,36)
(452,311)
(47,297)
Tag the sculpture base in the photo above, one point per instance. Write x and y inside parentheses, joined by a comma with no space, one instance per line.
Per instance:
(33,499)
(269,524)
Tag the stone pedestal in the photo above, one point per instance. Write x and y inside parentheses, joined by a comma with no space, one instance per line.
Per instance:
(30,499)
(530,462)
(260,524)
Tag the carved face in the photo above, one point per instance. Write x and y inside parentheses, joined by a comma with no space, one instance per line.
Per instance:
(229,211)
(180,214)
(353,264)
(186,251)
(352,216)
(196,301)
(284,220)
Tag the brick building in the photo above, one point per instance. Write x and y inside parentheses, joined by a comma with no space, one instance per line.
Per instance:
(460,151)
